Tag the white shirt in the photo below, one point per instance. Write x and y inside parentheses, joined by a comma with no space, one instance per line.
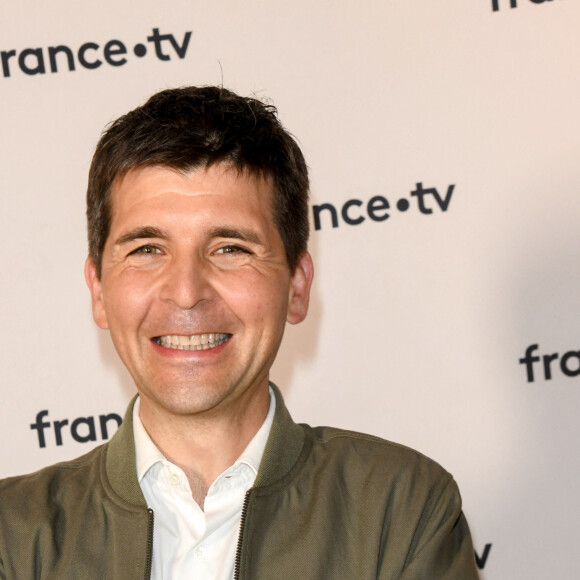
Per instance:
(189,542)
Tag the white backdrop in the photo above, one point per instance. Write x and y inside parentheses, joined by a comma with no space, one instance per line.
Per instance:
(418,321)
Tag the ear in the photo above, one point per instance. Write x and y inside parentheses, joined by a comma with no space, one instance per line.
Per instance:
(96,289)
(300,283)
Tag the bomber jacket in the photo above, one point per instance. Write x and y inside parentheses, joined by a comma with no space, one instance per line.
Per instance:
(327,504)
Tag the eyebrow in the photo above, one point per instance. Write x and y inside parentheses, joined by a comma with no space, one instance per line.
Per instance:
(141,233)
(236,234)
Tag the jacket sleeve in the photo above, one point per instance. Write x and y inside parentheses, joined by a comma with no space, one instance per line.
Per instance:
(441,548)
(2,574)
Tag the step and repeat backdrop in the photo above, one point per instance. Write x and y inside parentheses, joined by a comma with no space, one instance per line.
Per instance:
(443,140)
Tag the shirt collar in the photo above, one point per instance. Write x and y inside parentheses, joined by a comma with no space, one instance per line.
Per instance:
(147,454)
(252,454)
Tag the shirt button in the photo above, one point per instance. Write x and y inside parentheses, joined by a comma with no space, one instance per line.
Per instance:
(199,552)
(175,479)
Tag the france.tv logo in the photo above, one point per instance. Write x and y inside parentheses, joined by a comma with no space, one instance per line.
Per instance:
(91,55)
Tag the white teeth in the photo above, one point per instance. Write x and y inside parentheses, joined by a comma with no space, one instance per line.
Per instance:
(193,342)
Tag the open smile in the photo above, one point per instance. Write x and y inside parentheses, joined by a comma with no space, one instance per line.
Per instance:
(192,342)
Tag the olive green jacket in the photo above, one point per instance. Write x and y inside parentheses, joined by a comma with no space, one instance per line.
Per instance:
(326,505)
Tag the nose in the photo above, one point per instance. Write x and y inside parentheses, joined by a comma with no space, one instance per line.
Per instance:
(186,282)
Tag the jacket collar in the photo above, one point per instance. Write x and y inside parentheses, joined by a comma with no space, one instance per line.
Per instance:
(282,451)
(121,464)
(283,447)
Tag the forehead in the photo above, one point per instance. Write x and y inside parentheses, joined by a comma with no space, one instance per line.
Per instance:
(218,188)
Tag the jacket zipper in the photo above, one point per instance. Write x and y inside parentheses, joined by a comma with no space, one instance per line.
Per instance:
(149,545)
(237,563)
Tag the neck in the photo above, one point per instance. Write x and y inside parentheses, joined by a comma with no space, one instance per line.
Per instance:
(205,445)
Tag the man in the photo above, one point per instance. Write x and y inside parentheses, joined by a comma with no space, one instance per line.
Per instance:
(197,217)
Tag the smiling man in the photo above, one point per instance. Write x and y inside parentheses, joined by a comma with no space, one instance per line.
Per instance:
(197,216)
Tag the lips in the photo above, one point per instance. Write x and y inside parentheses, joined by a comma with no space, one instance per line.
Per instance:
(192,342)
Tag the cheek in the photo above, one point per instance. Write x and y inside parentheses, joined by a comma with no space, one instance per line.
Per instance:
(256,301)
(269,310)
(125,303)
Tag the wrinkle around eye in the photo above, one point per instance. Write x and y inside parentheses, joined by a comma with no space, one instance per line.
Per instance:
(232,256)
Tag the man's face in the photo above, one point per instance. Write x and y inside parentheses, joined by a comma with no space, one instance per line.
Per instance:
(195,287)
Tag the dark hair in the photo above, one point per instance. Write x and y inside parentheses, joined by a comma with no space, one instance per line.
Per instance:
(192,128)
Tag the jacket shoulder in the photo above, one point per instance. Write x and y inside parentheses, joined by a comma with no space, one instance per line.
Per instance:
(25,496)
(364,451)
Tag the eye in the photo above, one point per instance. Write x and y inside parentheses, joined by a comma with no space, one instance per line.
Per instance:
(232,249)
(146,249)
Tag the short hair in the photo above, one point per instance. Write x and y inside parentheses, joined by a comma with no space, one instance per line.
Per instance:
(192,128)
